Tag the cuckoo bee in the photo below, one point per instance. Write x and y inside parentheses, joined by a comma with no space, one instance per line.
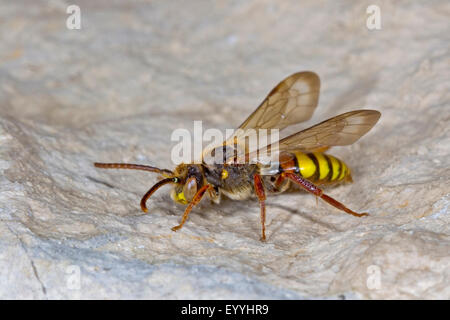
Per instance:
(301,161)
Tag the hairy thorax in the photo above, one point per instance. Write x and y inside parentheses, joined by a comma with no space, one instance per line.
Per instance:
(234,181)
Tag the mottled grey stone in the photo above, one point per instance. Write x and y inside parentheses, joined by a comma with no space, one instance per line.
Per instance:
(116,89)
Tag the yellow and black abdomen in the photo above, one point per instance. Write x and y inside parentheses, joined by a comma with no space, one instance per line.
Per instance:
(317,167)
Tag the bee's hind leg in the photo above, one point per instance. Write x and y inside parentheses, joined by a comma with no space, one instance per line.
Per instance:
(312,188)
(259,189)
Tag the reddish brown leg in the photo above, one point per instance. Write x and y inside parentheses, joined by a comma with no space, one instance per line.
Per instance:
(259,189)
(279,181)
(310,187)
(198,196)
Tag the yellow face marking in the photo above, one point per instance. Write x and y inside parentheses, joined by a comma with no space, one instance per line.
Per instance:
(179,197)
(305,164)
(335,166)
(224,174)
(324,169)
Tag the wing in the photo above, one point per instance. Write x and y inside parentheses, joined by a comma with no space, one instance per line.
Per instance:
(341,130)
(292,101)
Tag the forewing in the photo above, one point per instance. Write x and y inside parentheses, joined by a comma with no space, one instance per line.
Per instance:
(292,101)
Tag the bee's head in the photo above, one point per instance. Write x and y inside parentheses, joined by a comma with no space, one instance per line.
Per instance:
(188,179)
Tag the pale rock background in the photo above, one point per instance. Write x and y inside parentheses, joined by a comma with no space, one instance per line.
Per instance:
(116,89)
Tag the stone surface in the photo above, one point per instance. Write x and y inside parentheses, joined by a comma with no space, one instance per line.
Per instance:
(116,89)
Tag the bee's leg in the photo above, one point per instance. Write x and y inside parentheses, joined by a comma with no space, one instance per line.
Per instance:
(310,187)
(281,178)
(198,196)
(259,189)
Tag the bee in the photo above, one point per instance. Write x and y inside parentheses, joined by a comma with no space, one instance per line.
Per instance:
(301,158)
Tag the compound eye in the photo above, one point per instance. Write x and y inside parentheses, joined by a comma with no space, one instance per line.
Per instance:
(190,189)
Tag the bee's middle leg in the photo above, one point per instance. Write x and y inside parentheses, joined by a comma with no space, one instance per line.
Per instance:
(259,189)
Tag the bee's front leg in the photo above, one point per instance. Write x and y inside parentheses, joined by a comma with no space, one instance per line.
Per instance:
(198,196)
(259,189)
